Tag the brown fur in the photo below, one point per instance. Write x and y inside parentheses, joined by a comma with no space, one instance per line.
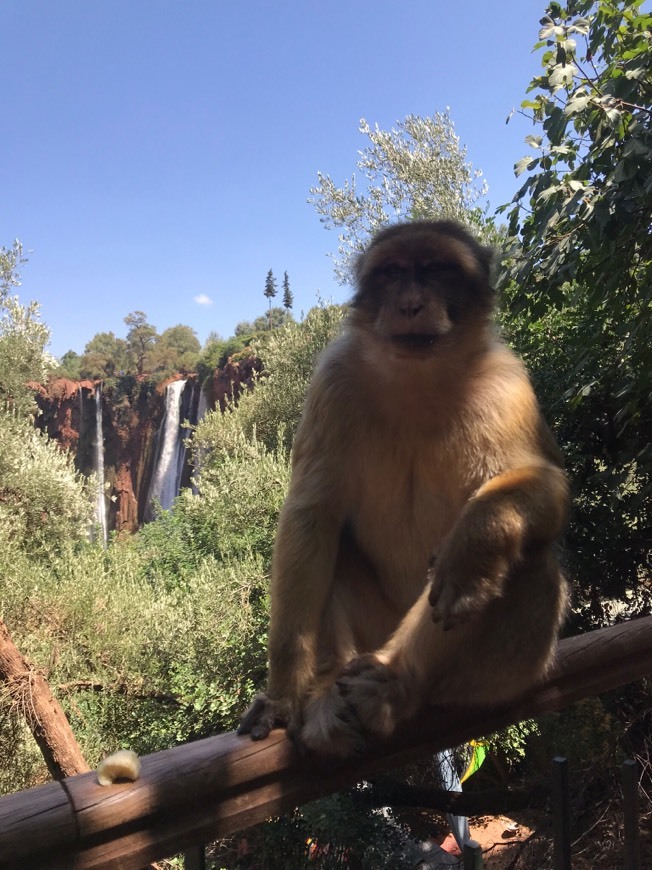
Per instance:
(414,560)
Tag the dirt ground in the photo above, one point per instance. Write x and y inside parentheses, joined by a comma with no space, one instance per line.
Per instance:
(501,838)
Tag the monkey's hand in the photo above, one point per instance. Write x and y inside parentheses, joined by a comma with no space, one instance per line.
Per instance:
(464,579)
(264,714)
(367,701)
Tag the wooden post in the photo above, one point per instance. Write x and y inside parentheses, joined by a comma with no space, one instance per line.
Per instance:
(220,785)
(561,813)
(195,858)
(630,812)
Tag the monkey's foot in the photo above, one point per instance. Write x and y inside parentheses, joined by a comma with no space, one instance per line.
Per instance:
(367,700)
(330,727)
(263,715)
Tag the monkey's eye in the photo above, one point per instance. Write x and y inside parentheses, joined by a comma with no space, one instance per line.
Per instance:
(437,268)
(392,270)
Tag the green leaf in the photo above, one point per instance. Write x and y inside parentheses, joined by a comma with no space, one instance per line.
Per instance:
(577,104)
(547,194)
(562,76)
(548,27)
(580,25)
(533,141)
(525,164)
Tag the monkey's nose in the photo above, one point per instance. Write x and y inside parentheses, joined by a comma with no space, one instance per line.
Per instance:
(410,309)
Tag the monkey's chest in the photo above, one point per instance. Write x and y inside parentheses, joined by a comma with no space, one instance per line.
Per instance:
(402,504)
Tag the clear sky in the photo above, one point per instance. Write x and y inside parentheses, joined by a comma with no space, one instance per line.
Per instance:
(156,152)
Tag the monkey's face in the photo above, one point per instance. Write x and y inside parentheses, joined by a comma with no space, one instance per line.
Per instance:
(421,287)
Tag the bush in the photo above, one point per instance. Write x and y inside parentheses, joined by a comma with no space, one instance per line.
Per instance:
(44,502)
(271,412)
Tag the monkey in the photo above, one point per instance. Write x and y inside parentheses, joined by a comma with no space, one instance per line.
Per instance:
(415,558)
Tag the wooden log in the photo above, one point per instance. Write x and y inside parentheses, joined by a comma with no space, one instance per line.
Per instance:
(220,785)
(43,713)
(39,818)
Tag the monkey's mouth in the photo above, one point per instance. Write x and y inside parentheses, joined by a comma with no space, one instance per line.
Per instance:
(414,340)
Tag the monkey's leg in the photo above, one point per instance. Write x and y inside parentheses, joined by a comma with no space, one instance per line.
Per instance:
(373,691)
(496,655)
(511,516)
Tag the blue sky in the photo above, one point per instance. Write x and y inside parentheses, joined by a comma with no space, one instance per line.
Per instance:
(159,151)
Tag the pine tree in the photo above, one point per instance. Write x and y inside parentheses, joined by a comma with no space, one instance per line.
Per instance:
(270,292)
(288,299)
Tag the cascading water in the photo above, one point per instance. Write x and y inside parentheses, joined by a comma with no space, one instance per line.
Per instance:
(170,454)
(202,408)
(98,464)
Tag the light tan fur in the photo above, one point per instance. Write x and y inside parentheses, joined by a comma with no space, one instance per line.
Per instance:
(414,558)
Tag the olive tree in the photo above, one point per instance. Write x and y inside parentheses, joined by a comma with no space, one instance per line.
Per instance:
(416,170)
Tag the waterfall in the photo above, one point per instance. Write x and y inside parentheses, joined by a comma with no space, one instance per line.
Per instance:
(202,408)
(98,464)
(170,453)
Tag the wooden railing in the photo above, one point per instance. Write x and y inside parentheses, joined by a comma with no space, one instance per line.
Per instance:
(212,788)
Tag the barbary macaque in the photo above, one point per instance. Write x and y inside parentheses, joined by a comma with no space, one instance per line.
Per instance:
(414,562)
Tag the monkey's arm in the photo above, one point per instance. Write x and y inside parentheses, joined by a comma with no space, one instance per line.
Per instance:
(305,552)
(522,508)
(304,561)
(302,573)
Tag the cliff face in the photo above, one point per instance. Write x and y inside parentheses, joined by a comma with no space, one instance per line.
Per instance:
(233,379)
(132,411)
(61,403)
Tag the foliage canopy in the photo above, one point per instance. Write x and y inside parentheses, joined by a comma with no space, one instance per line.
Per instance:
(418,169)
(578,279)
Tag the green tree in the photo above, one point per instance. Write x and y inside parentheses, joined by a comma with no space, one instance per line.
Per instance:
(288,298)
(416,170)
(176,349)
(140,339)
(270,413)
(10,259)
(270,292)
(216,353)
(69,366)
(104,356)
(45,503)
(23,339)
(23,358)
(251,330)
(578,283)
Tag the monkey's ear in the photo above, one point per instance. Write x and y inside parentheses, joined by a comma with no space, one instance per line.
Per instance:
(359,274)
(488,263)
(486,255)
(358,267)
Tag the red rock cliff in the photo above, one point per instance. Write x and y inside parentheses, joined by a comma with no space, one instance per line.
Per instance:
(132,410)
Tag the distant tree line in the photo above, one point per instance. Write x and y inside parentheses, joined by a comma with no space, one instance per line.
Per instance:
(143,351)
(177,349)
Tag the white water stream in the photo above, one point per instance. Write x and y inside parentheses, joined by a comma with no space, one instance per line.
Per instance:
(98,463)
(170,454)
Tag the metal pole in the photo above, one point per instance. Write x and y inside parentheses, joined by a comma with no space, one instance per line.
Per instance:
(472,855)
(195,858)
(561,813)
(630,812)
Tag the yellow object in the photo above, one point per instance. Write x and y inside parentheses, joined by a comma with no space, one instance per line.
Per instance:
(478,755)
(123,764)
